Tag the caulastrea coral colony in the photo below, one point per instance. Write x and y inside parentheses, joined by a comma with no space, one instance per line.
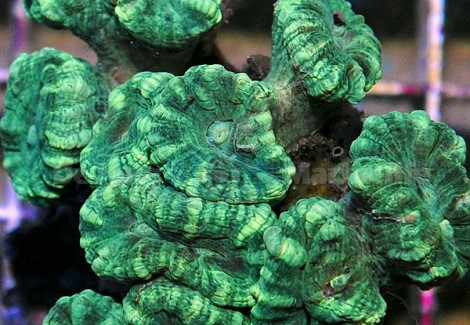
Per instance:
(192,165)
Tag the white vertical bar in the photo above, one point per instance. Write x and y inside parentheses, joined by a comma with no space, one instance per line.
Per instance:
(434,66)
(422,18)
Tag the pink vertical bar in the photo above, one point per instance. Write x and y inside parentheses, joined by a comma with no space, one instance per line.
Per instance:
(20,30)
(4,73)
(427,301)
(10,210)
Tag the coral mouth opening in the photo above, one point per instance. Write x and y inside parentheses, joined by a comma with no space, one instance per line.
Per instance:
(339,20)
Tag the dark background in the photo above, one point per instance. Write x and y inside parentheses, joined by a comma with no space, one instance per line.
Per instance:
(387,18)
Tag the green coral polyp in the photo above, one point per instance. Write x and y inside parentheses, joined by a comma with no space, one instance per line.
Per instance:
(408,175)
(326,47)
(86,307)
(52,101)
(207,106)
(148,20)
(110,153)
(209,133)
(220,132)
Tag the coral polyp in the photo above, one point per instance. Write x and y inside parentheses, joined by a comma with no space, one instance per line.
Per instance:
(87,307)
(45,128)
(189,20)
(409,179)
(327,47)
(214,122)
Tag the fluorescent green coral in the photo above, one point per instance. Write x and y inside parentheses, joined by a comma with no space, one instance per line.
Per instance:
(408,177)
(109,155)
(51,104)
(317,262)
(138,228)
(210,134)
(86,307)
(133,36)
(163,302)
(328,48)
(168,23)
(187,169)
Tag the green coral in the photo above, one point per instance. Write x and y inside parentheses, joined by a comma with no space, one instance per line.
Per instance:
(188,170)
(133,36)
(131,229)
(109,154)
(163,302)
(317,262)
(229,154)
(139,229)
(408,177)
(51,103)
(86,307)
(326,47)
(170,24)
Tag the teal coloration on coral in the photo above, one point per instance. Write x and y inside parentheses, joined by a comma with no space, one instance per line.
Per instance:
(170,24)
(230,155)
(326,47)
(51,103)
(408,177)
(86,307)
(109,154)
(133,36)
